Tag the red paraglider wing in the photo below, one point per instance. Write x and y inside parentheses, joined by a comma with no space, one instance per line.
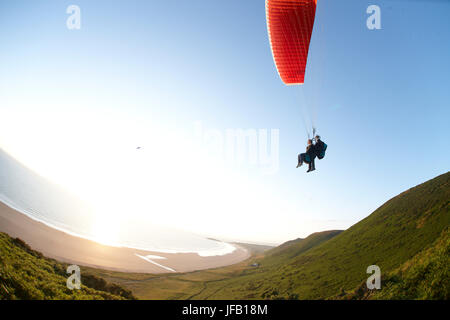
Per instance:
(290,25)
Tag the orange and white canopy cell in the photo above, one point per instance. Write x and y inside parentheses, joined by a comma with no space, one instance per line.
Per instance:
(290,24)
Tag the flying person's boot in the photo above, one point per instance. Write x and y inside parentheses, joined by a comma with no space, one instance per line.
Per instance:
(311,167)
(300,162)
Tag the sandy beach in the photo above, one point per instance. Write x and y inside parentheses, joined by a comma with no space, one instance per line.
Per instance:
(71,249)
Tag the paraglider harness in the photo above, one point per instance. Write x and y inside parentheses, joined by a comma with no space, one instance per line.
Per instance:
(319,147)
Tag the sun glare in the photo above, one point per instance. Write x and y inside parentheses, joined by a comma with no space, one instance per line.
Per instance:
(170,181)
(105,231)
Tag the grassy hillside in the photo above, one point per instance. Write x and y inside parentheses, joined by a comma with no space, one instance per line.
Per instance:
(407,238)
(425,276)
(293,248)
(196,285)
(392,235)
(26,274)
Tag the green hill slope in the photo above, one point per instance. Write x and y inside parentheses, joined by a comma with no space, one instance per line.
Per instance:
(26,274)
(199,284)
(425,276)
(407,237)
(293,248)
(395,233)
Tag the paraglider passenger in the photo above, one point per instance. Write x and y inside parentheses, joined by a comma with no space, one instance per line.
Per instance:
(308,157)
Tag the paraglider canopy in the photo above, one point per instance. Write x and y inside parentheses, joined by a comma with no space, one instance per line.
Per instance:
(290,24)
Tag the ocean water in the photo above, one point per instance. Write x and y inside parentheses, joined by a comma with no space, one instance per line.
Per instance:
(41,200)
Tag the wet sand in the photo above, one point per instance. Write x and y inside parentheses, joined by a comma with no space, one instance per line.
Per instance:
(75,250)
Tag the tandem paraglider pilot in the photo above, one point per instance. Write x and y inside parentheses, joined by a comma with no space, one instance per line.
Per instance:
(320,147)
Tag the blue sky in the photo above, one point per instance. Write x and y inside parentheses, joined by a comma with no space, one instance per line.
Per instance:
(382,98)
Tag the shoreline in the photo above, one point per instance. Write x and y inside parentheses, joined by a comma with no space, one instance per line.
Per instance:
(9,203)
(65,247)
